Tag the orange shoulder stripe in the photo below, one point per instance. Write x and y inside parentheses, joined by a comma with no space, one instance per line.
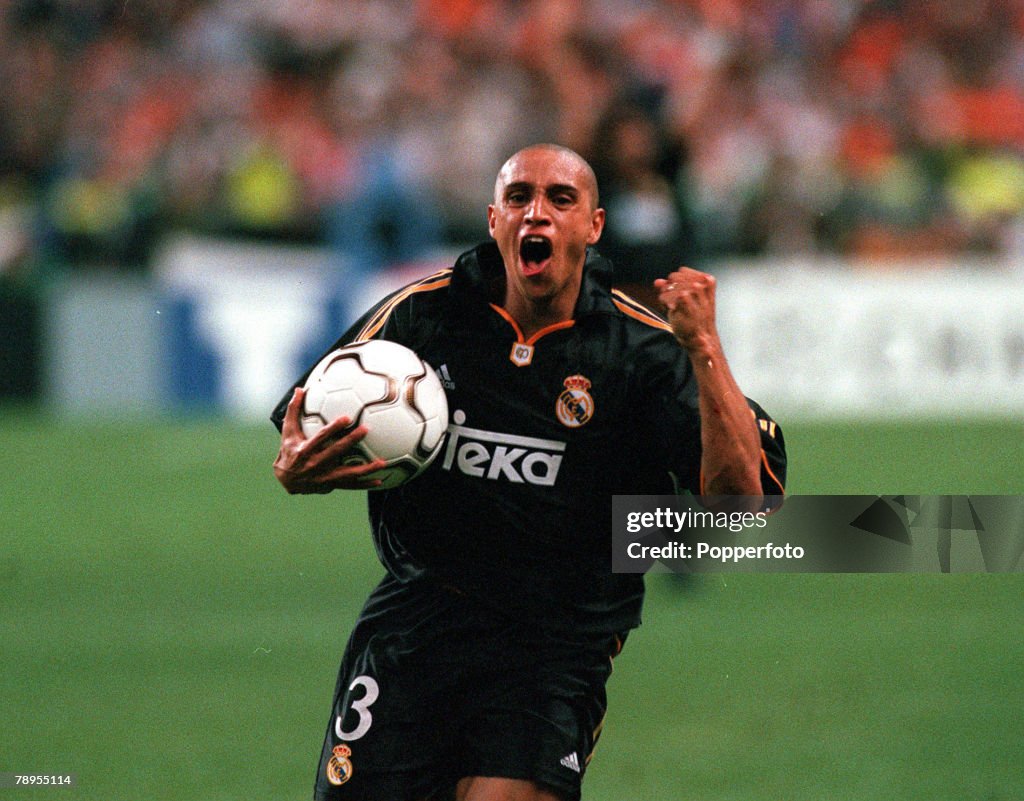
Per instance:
(625,304)
(438,280)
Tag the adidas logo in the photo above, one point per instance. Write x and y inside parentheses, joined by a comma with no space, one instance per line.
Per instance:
(571,762)
(446,379)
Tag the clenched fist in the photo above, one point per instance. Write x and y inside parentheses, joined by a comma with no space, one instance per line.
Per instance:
(689,296)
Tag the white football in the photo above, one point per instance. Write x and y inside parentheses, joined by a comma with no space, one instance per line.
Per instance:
(390,390)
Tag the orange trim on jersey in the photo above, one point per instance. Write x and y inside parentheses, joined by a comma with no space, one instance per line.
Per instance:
(636,304)
(767,469)
(436,281)
(625,304)
(594,737)
(520,338)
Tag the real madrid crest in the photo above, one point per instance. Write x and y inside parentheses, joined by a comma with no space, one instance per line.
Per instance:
(575,406)
(339,767)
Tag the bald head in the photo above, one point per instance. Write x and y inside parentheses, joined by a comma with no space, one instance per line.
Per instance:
(565,157)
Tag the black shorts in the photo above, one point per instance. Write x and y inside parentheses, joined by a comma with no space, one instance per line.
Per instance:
(434,687)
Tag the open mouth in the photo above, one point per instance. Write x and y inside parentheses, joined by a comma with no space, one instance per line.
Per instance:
(534,253)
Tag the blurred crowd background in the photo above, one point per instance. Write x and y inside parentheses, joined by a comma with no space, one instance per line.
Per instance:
(718,128)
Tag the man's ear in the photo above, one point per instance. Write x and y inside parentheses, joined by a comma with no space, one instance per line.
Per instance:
(597,226)
(490,220)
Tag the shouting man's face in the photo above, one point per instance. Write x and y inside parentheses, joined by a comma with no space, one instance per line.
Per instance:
(543,217)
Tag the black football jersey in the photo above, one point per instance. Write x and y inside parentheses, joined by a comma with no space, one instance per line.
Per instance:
(543,431)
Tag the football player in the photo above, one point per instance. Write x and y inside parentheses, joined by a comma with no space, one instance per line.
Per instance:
(477,668)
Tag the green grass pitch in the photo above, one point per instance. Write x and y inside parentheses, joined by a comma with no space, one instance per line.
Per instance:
(171,621)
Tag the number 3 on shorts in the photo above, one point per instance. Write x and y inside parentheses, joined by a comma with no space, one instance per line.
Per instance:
(362,708)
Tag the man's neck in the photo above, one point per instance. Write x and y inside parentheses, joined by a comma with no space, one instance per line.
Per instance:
(535,315)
